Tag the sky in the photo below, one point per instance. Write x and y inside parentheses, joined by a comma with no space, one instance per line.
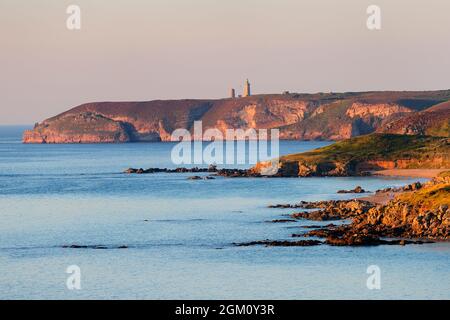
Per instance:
(139,50)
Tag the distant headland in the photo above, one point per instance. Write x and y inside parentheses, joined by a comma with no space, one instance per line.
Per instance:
(319,116)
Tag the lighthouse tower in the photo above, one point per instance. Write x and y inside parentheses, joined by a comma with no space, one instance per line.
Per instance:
(247,91)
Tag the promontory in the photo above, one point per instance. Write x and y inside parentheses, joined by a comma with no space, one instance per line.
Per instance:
(320,116)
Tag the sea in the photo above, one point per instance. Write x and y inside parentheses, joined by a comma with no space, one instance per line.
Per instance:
(180,235)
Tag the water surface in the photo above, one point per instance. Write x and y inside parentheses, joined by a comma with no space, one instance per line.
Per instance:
(180,232)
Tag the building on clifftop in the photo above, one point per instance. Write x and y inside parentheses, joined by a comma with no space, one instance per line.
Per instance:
(247,91)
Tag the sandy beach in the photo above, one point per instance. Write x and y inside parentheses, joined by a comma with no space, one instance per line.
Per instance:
(412,173)
(380,197)
(385,197)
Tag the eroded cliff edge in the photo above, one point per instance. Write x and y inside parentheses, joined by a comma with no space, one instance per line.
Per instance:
(325,116)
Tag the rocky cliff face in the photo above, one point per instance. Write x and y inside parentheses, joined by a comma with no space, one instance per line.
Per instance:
(77,128)
(298,116)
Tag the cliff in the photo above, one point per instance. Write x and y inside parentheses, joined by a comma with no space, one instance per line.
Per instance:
(331,116)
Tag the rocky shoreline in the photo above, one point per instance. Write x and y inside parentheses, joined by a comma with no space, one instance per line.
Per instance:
(212,169)
(414,214)
(405,219)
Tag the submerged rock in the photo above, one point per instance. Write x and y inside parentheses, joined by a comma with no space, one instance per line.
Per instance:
(282,220)
(276,243)
(358,189)
(232,173)
(194,178)
(284,206)
(76,246)
(165,170)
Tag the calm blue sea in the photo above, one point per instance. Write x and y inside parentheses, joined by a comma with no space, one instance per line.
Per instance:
(180,232)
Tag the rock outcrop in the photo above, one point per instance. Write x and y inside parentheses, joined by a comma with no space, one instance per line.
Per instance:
(333,210)
(358,189)
(418,211)
(423,212)
(331,116)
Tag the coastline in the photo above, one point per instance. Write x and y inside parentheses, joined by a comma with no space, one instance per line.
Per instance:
(413,214)
(417,211)
(382,198)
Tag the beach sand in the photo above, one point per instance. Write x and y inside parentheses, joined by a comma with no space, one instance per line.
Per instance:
(413,173)
(380,197)
(385,197)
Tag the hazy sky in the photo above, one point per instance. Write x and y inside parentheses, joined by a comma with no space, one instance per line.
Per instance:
(170,49)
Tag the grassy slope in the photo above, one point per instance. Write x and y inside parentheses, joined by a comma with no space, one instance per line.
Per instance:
(385,147)
(440,129)
(429,197)
(434,121)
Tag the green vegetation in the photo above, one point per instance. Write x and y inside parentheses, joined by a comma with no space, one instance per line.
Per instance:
(440,130)
(368,153)
(431,197)
(378,146)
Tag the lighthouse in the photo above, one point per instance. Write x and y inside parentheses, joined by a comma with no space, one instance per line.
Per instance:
(247,91)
